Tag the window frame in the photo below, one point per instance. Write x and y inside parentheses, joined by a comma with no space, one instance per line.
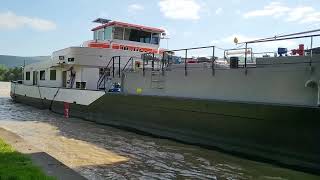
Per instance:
(55,75)
(44,75)
(28,76)
(153,37)
(117,36)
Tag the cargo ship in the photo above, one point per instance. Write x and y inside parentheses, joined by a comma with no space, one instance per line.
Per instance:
(261,107)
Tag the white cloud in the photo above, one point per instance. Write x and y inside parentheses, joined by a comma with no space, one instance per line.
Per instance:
(219,11)
(274,9)
(180,9)
(135,8)
(9,20)
(311,18)
(300,14)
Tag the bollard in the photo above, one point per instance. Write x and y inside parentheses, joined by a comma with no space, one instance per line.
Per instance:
(66,109)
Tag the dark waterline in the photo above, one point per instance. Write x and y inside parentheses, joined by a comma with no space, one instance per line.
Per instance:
(149,158)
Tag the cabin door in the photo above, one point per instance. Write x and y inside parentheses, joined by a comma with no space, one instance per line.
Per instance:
(35,78)
(64,79)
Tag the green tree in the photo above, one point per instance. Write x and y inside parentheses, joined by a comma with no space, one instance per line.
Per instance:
(3,72)
(10,74)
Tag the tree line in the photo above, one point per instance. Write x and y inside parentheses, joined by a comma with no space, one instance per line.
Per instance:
(10,74)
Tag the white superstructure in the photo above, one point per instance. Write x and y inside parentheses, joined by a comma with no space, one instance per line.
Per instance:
(81,67)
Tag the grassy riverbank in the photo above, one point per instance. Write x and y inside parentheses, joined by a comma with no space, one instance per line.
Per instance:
(17,166)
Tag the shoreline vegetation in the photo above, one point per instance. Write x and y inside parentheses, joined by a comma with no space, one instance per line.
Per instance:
(10,74)
(17,166)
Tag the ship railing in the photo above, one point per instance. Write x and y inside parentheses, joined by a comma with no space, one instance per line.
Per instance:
(153,58)
(170,60)
(219,58)
(113,69)
(107,70)
(293,36)
(131,61)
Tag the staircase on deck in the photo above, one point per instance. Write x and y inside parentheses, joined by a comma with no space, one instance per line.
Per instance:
(111,71)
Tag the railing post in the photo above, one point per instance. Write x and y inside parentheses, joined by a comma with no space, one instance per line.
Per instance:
(162,67)
(132,64)
(143,68)
(152,61)
(245,56)
(213,61)
(113,67)
(251,55)
(119,66)
(186,63)
(311,46)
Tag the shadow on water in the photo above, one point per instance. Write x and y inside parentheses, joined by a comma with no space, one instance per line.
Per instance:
(146,157)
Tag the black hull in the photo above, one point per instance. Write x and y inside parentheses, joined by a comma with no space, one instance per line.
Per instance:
(283,135)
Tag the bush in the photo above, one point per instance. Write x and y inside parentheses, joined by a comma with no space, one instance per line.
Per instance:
(10,74)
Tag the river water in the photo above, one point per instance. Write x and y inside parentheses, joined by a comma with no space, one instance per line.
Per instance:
(102,152)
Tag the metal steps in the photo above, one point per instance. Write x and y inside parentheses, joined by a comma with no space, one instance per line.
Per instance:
(157,80)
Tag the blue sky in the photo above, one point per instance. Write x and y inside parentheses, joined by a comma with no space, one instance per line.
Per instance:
(37,27)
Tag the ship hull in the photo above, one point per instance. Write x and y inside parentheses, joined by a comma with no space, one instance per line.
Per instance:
(284,135)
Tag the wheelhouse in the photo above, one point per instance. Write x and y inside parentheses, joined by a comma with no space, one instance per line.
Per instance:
(114,30)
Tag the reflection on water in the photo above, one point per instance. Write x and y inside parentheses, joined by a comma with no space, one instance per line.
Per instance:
(101,152)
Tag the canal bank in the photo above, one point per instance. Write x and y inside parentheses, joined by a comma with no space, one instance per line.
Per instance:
(102,152)
(49,165)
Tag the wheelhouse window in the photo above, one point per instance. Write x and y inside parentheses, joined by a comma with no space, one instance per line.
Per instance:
(155,38)
(53,75)
(108,33)
(28,76)
(135,35)
(118,33)
(42,75)
(138,36)
(95,35)
(100,35)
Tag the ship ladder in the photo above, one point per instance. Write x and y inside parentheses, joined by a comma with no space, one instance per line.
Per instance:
(157,80)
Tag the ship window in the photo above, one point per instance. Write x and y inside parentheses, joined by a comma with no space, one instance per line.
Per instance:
(100,35)
(95,35)
(135,35)
(139,36)
(118,33)
(42,75)
(108,33)
(53,75)
(155,38)
(28,76)
(127,33)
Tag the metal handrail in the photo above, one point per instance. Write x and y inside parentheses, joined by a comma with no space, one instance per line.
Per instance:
(167,54)
(283,36)
(186,57)
(143,57)
(104,73)
(131,59)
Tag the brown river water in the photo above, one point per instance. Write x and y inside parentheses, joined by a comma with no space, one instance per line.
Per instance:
(102,152)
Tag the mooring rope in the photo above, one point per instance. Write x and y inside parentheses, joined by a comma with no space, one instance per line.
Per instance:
(50,108)
(40,96)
